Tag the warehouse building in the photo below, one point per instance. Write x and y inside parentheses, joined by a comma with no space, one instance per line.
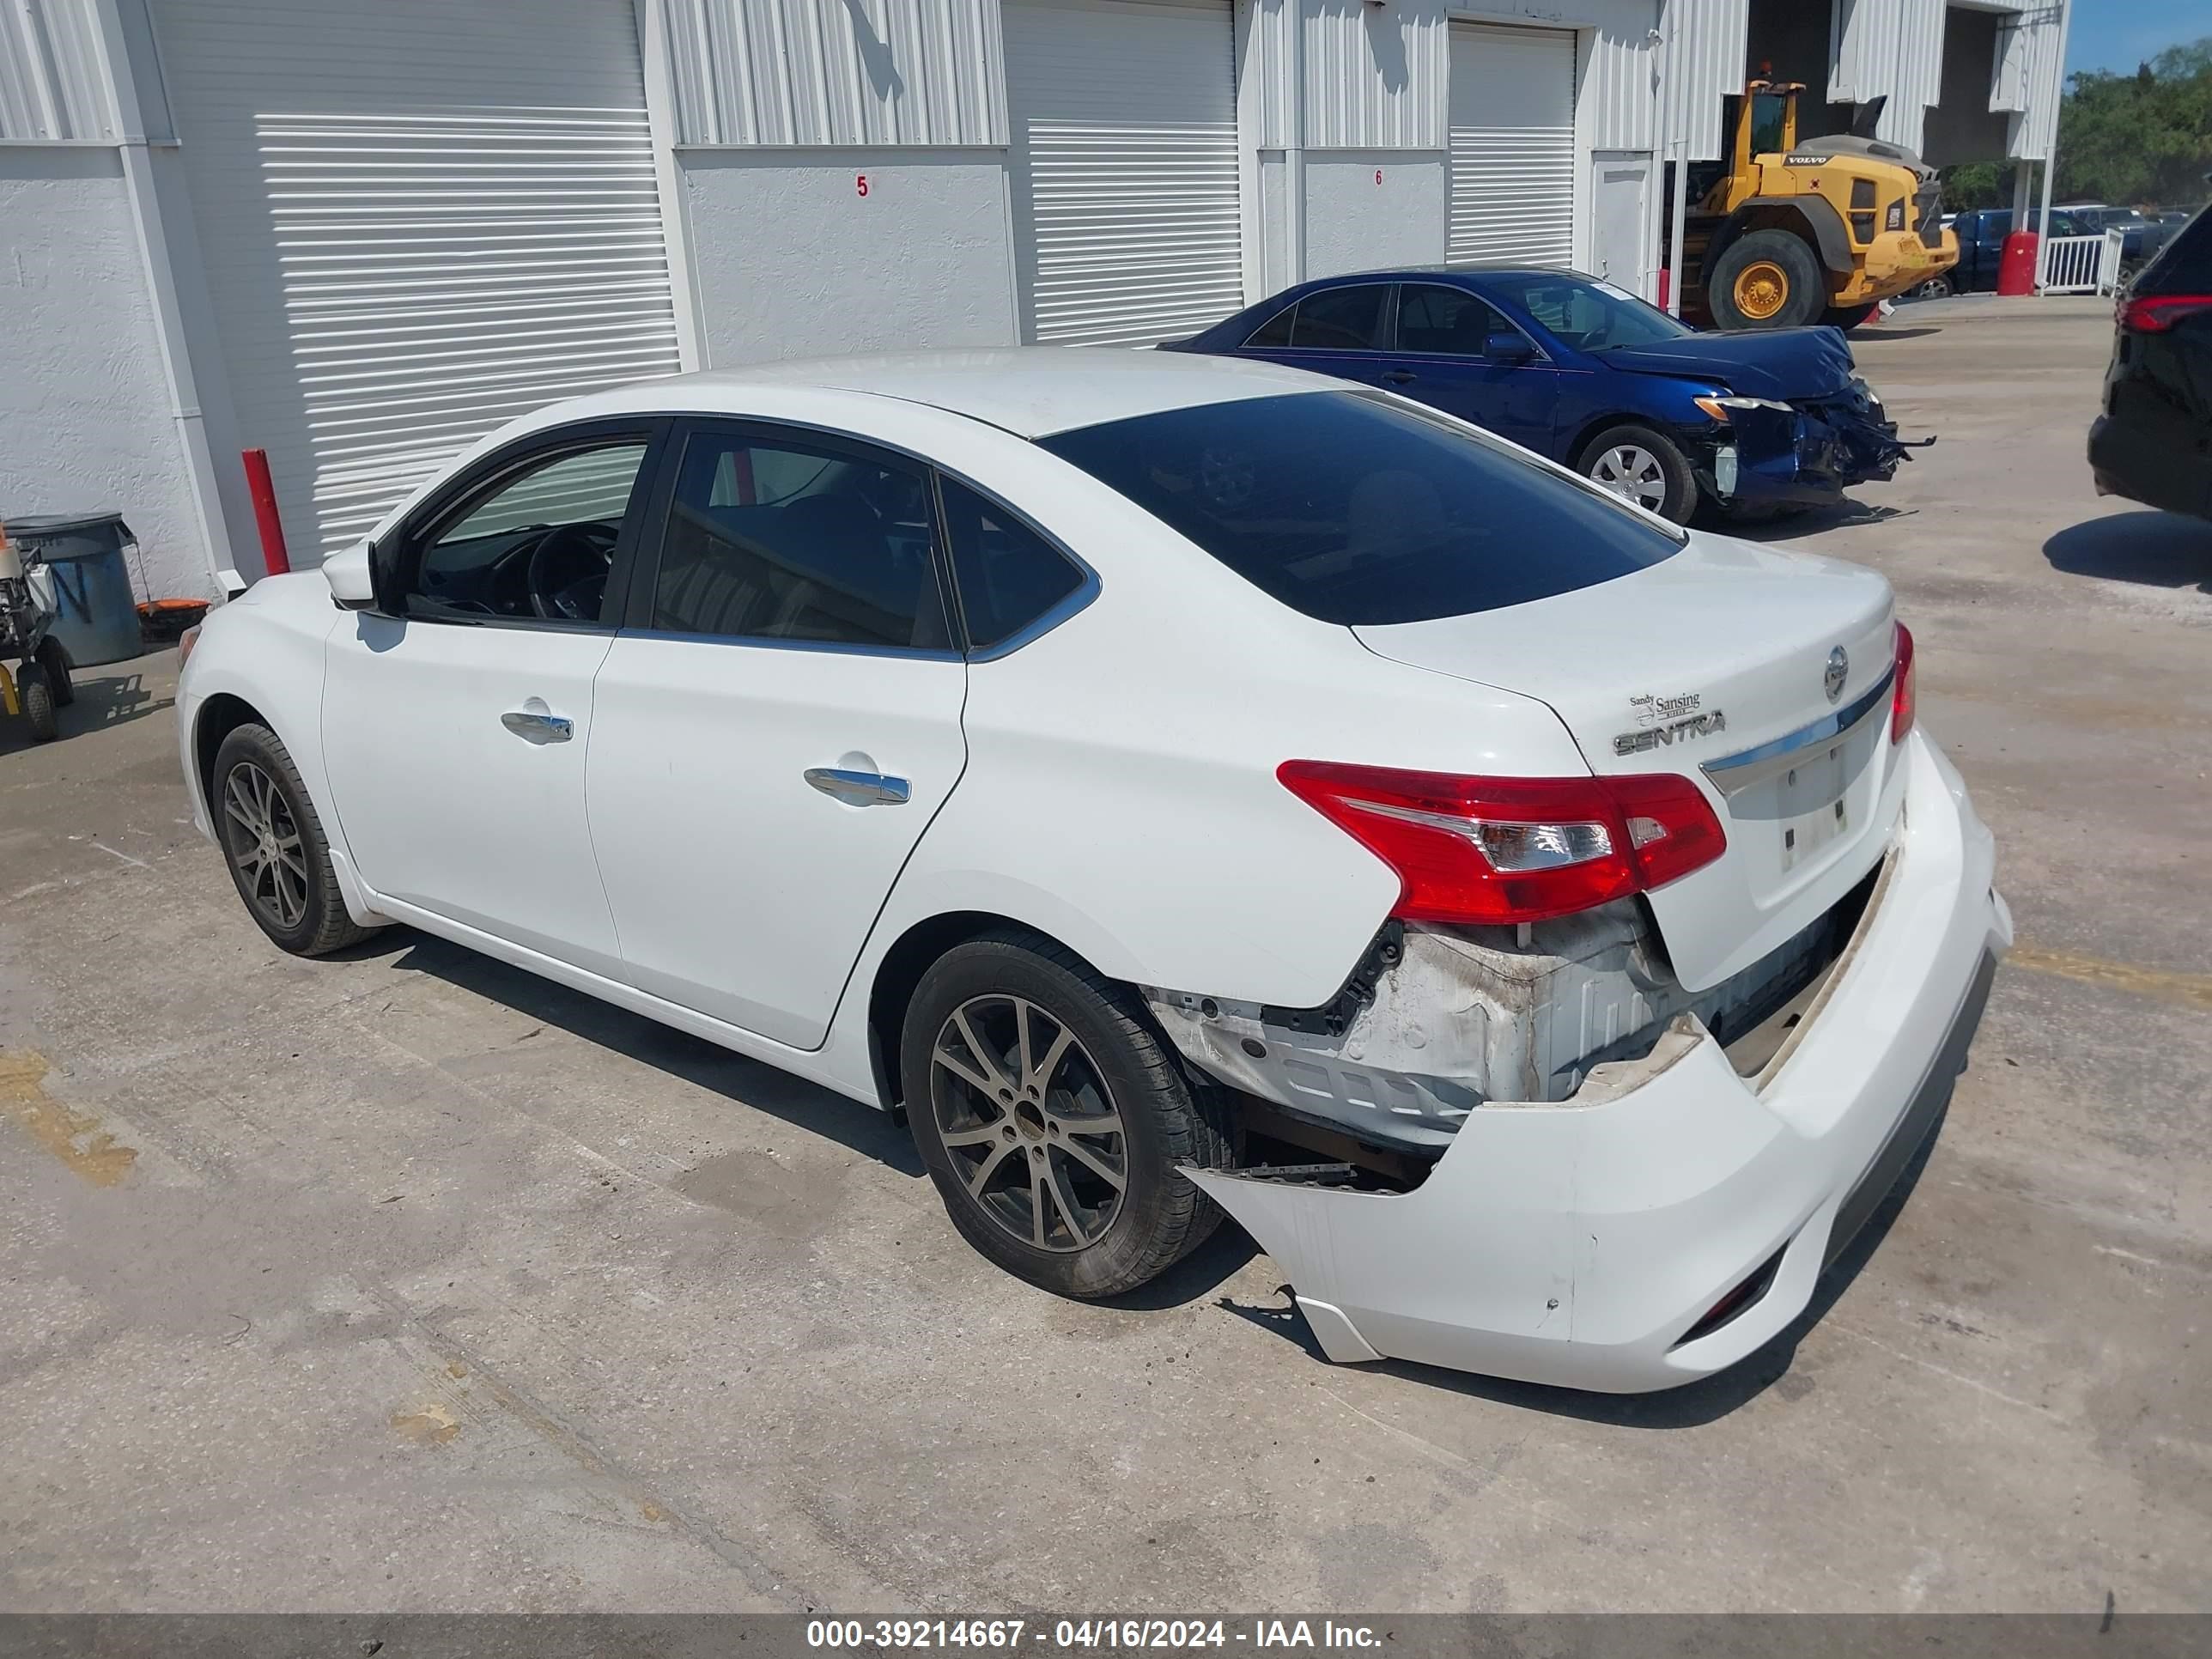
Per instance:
(357,233)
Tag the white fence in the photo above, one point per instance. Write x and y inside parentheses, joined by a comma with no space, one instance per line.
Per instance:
(2079,264)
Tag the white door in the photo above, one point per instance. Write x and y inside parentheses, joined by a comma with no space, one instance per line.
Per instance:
(1512,125)
(455,733)
(777,727)
(419,218)
(1621,248)
(1125,167)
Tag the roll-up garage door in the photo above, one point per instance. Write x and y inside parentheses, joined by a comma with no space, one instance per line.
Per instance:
(1512,119)
(419,218)
(1125,156)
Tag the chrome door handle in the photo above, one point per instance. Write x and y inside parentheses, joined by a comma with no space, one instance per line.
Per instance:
(534,726)
(859,788)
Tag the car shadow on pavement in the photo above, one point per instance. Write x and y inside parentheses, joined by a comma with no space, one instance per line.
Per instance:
(2158,549)
(1688,1407)
(1811,521)
(749,1083)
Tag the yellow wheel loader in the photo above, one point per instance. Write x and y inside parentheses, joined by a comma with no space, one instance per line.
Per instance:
(1814,231)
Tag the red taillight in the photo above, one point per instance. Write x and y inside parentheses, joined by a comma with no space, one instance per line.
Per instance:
(1903,696)
(1513,849)
(2154,313)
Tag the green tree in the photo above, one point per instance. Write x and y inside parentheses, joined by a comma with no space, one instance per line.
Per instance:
(2144,139)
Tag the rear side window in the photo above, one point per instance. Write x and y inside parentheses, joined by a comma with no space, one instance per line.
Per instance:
(1008,576)
(1355,510)
(1275,333)
(783,541)
(1341,319)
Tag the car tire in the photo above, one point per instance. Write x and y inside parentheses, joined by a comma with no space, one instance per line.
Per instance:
(56,662)
(1850,316)
(1778,278)
(1642,466)
(1935,288)
(258,803)
(35,692)
(1024,1182)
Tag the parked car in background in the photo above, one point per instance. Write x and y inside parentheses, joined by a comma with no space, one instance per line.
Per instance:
(1981,233)
(1177,783)
(2140,238)
(2153,443)
(1590,376)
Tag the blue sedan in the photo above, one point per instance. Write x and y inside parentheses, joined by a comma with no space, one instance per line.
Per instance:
(1590,376)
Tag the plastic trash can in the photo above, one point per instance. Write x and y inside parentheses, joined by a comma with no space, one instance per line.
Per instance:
(96,615)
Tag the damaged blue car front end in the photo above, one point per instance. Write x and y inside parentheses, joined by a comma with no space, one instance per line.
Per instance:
(1770,454)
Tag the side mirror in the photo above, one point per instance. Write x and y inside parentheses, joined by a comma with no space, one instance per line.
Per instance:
(1508,347)
(353,586)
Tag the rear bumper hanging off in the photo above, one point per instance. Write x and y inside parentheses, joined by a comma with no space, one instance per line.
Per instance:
(1589,1243)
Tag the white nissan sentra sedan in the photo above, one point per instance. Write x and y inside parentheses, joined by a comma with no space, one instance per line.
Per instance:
(1181,785)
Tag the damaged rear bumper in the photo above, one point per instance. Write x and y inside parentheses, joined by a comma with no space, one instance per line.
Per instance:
(1587,1242)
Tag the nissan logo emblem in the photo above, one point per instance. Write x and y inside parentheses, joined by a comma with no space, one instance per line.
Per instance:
(1839,669)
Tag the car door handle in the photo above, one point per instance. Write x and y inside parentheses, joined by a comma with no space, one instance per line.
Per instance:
(1398,377)
(538,724)
(859,788)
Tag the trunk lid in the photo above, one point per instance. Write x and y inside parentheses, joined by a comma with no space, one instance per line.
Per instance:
(1720,653)
(1785,364)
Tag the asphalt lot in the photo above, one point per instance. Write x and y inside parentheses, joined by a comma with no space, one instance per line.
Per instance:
(408,1281)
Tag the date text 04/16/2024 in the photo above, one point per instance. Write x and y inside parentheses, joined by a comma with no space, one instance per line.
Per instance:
(1110,1633)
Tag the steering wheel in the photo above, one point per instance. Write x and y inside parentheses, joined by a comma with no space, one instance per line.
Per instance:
(570,593)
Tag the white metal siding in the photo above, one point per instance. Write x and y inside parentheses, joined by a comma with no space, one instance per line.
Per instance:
(1125,161)
(1707,43)
(1512,145)
(418,221)
(53,88)
(2023,80)
(1894,47)
(827,72)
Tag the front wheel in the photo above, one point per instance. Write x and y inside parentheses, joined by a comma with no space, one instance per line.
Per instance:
(1935,288)
(1766,279)
(1053,1118)
(1641,465)
(36,693)
(273,841)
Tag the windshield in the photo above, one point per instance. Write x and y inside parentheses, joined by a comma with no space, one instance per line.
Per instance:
(1590,316)
(1355,509)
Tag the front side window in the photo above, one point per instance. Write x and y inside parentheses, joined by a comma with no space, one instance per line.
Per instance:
(1355,510)
(776,540)
(539,544)
(1340,319)
(1009,576)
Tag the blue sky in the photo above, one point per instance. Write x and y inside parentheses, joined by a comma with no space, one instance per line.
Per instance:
(2118,34)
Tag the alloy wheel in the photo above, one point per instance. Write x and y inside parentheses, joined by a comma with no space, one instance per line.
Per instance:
(1632,472)
(1026,1118)
(266,844)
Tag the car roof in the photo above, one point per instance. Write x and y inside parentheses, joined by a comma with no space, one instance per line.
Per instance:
(1029,391)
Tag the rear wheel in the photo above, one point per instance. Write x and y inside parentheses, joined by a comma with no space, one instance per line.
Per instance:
(1935,288)
(1641,465)
(36,693)
(1053,1118)
(273,841)
(1766,279)
(56,662)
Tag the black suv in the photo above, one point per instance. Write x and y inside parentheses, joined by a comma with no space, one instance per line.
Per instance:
(2153,442)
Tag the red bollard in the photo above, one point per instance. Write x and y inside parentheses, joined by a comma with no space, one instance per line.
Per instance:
(262,489)
(2016,265)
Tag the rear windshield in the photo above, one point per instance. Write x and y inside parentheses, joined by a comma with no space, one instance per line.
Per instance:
(2184,264)
(1354,510)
